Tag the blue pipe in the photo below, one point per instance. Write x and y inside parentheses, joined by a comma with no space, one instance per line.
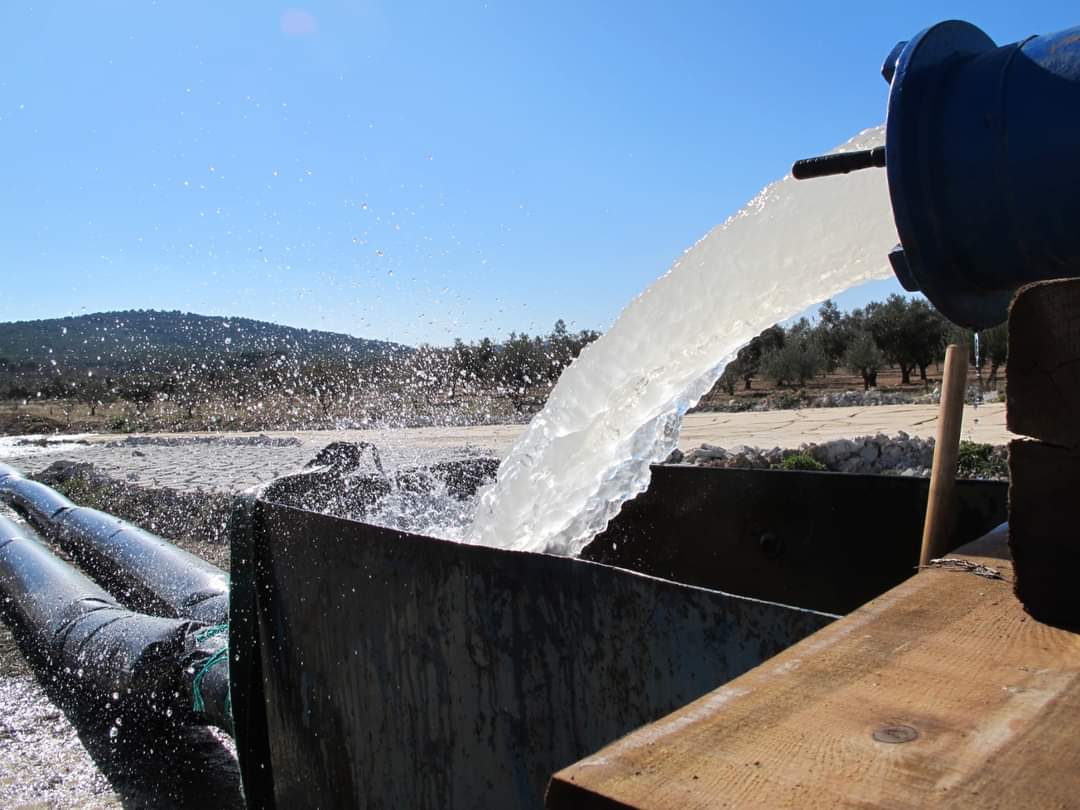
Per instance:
(982,152)
(983,159)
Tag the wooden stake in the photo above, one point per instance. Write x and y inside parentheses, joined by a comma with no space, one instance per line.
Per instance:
(946,452)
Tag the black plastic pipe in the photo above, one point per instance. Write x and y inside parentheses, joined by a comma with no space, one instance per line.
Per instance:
(38,502)
(152,572)
(146,571)
(112,655)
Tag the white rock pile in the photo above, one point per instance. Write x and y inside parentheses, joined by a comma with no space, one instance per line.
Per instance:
(851,399)
(875,396)
(891,455)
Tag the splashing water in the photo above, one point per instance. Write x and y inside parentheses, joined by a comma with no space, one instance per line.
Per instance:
(618,408)
(430,509)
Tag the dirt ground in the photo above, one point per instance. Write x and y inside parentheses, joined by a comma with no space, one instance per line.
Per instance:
(19,418)
(225,462)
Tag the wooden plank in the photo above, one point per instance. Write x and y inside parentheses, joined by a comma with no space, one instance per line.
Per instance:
(1043,372)
(1044,521)
(989,697)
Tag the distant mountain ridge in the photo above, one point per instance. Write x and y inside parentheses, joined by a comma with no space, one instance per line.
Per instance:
(152,339)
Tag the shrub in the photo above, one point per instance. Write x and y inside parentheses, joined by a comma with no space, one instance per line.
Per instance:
(120,424)
(981,461)
(787,400)
(802,461)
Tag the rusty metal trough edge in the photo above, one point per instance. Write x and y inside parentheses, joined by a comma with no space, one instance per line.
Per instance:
(371,667)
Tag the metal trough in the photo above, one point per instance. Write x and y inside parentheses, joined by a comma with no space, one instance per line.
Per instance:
(376,668)
(821,540)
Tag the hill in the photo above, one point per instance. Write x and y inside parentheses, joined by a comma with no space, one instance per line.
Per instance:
(149,340)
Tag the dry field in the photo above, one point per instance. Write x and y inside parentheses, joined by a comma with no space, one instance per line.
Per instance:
(280,413)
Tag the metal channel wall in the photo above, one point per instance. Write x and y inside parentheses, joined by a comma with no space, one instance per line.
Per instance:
(827,541)
(373,668)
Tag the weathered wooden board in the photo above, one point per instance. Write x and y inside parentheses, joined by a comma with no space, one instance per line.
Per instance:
(989,697)
(1044,362)
(1044,521)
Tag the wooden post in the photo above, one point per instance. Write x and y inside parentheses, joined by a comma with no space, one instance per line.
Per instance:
(946,450)
(1044,468)
(1043,371)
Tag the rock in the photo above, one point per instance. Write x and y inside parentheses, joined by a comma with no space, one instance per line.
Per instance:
(346,457)
(897,455)
(706,452)
(875,396)
(891,457)
(852,465)
(839,450)
(675,457)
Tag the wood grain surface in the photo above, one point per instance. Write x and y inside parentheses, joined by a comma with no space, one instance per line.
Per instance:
(1044,516)
(1044,362)
(989,697)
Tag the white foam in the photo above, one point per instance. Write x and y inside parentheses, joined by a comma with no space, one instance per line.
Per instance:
(31,445)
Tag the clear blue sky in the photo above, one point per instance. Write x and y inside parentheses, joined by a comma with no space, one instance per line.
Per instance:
(413,171)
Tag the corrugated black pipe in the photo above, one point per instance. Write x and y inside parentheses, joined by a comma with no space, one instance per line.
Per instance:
(148,572)
(146,665)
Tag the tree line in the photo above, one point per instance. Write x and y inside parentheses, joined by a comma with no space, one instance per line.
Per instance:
(520,368)
(501,378)
(907,334)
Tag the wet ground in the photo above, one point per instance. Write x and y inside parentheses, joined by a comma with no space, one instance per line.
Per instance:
(234,462)
(52,753)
